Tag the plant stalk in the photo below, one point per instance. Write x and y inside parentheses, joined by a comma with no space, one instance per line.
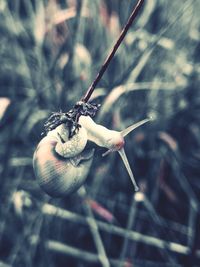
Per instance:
(113,51)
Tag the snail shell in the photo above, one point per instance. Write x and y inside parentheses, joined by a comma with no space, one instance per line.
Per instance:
(56,175)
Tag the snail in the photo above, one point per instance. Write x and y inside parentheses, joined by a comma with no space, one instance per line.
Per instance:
(61,164)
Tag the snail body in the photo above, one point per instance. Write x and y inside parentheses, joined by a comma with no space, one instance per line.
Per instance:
(102,136)
(61,164)
(110,139)
(69,147)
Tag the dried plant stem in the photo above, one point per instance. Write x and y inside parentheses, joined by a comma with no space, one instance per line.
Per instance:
(51,210)
(129,226)
(103,259)
(113,51)
(89,257)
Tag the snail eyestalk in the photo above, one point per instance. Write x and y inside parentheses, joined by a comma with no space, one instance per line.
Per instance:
(126,163)
(134,126)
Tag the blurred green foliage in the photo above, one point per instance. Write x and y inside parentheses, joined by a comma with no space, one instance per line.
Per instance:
(50,53)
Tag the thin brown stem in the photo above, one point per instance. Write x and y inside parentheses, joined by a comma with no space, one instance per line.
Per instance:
(113,51)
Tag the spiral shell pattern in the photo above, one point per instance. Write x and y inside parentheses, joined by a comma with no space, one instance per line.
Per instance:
(56,175)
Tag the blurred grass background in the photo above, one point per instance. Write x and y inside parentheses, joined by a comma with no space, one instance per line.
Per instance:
(50,52)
